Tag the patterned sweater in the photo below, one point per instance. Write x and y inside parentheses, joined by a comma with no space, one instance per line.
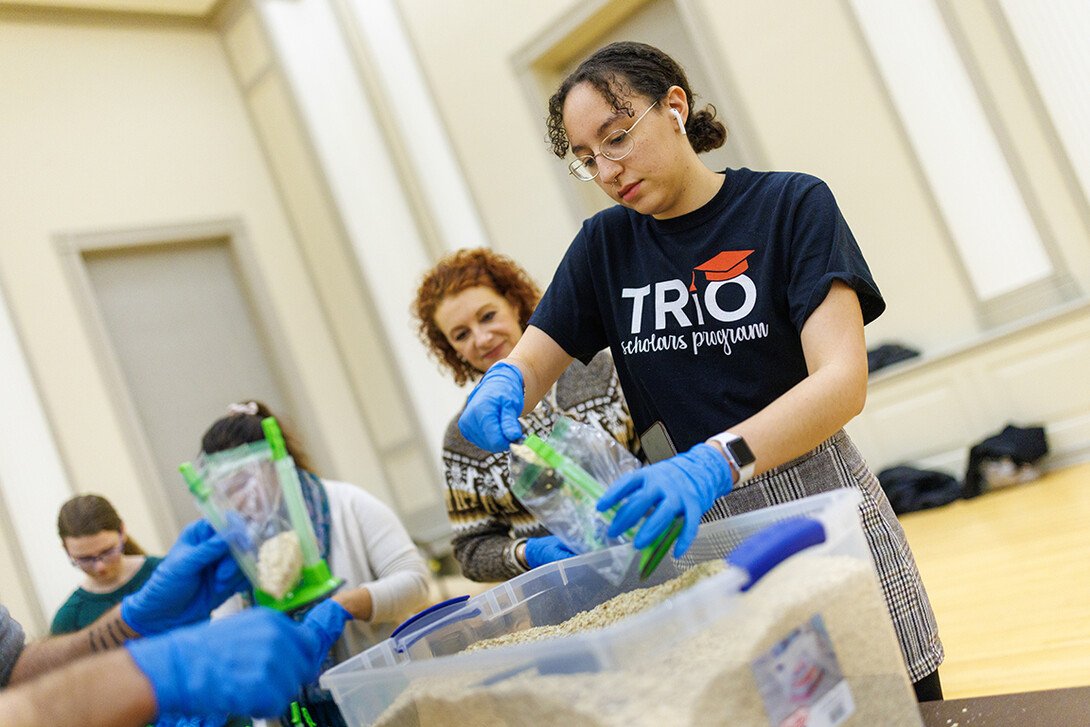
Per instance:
(487,520)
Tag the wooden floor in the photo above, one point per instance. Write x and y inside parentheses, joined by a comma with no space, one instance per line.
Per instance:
(1008,574)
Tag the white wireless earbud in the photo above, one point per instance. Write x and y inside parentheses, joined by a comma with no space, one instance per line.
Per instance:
(680,121)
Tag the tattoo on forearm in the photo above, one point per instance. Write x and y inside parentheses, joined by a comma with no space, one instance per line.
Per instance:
(110,634)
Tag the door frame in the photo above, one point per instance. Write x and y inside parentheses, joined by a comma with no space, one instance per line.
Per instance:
(72,248)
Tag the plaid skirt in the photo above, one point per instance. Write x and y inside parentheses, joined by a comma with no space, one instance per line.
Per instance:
(837,463)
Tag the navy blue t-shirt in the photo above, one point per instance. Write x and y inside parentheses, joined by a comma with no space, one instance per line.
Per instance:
(703,312)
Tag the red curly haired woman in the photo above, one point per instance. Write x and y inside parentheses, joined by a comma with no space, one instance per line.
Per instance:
(471,309)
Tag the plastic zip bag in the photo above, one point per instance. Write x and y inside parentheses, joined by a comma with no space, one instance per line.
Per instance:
(251,496)
(243,486)
(563,492)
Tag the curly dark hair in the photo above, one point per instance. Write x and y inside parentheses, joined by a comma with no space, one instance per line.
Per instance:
(625,69)
(457,272)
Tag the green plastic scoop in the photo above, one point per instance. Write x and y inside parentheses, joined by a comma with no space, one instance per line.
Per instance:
(317,581)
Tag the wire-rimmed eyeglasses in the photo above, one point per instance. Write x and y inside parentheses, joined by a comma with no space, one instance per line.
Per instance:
(615,147)
(89,561)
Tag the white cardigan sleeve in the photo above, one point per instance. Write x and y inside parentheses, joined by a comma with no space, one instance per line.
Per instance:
(371,547)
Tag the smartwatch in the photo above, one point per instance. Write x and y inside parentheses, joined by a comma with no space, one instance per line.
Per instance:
(738,452)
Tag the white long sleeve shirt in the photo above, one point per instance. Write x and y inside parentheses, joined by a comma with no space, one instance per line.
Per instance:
(370,547)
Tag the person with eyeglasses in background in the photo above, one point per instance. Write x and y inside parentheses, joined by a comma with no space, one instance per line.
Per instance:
(733,302)
(113,564)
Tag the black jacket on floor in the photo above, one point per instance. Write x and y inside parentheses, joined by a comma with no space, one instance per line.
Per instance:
(1021,446)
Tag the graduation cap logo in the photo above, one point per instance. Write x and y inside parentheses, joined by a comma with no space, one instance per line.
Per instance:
(724,266)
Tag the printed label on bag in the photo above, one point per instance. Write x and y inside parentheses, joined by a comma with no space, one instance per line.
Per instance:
(800,680)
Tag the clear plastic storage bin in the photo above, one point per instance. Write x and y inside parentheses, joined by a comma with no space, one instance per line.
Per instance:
(810,643)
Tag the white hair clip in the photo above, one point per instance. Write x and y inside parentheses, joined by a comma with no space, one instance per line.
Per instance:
(249,407)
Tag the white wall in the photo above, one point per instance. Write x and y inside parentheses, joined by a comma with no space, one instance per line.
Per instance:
(34,486)
(343,123)
(115,126)
(819,107)
(496,135)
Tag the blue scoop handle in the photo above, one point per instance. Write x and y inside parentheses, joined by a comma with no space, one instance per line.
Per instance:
(416,627)
(767,548)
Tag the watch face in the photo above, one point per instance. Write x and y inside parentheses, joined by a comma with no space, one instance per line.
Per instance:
(741,451)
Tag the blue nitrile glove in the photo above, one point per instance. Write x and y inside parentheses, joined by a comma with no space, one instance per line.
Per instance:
(687,484)
(326,621)
(197,575)
(205,720)
(540,551)
(252,663)
(491,417)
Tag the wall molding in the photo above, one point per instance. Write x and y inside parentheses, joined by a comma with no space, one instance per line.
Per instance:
(928,412)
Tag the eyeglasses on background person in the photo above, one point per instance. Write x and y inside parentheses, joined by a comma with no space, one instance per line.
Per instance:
(89,561)
(615,147)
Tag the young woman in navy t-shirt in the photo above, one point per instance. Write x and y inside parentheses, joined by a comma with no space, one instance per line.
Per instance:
(734,304)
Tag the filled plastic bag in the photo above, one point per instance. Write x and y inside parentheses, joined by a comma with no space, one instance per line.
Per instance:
(251,496)
(561,484)
(243,489)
